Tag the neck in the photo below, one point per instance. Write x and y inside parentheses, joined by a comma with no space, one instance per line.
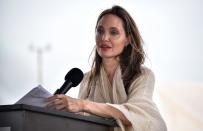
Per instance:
(110,66)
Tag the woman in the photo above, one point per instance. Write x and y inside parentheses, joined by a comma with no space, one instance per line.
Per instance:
(118,85)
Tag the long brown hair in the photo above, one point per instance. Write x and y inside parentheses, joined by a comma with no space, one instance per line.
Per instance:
(133,55)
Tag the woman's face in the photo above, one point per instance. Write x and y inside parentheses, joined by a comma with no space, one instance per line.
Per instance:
(110,36)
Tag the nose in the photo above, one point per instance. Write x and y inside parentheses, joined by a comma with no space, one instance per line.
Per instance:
(105,37)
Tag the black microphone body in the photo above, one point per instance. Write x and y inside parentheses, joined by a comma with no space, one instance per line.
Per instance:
(64,88)
(72,79)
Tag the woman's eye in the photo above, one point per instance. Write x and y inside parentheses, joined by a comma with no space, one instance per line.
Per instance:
(100,31)
(114,32)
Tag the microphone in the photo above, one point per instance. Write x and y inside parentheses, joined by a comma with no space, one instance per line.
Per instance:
(72,79)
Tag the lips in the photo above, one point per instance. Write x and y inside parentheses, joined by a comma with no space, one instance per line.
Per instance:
(104,46)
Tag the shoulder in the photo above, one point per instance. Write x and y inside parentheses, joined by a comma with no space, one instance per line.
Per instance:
(145,76)
(86,77)
(147,73)
(145,82)
(84,86)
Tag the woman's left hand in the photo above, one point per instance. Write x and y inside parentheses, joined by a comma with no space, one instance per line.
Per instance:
(65,103)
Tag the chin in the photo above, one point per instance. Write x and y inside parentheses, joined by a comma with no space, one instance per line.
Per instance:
(107,56)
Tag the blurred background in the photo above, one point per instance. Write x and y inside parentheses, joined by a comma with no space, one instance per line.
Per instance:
(41,40)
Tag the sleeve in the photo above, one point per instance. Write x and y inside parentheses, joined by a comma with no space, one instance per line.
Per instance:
(139,108)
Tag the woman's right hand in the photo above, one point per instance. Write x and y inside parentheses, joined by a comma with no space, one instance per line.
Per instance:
(65,103)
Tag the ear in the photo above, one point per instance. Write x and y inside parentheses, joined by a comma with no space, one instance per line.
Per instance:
(128,41)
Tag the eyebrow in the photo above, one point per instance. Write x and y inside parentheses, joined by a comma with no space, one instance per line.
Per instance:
(114,28)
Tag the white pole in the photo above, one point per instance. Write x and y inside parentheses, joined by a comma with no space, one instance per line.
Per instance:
(39,51)
(40,65)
